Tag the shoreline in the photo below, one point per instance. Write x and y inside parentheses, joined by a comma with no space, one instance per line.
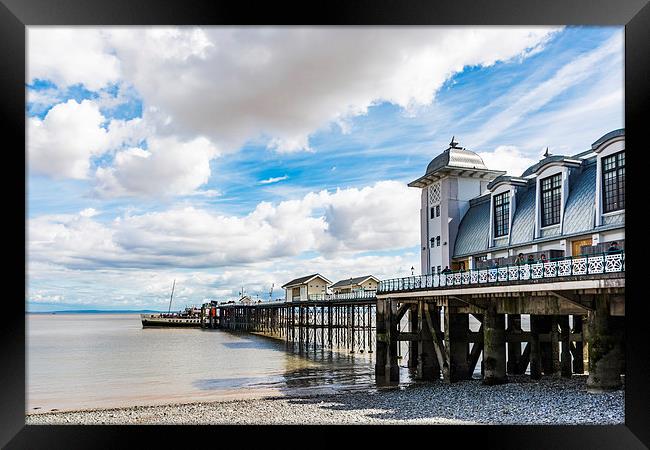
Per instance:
(520,402)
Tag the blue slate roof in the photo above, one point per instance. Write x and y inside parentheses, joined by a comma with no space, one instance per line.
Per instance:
(523,223)
(580,209)
(474,229)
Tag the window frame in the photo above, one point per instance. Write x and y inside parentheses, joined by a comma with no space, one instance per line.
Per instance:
(618,181)
(501,214)
(554,200)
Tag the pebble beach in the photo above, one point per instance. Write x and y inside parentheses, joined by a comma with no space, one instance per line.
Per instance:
(522,401)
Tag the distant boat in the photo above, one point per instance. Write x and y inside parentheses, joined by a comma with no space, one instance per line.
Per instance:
(191,317)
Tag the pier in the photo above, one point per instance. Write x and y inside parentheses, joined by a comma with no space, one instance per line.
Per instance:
(345,321)
(588,290)
(576,307)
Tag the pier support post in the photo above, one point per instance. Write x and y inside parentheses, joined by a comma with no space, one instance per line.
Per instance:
(386,368)
(427,362)
(494,347)
(605,348)
(577,348)
(535,350)
(413,345)
(514,348)
(549,347)
(565,340)
(457,345)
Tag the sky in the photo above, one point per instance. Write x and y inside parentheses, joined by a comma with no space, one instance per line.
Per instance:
(228,158)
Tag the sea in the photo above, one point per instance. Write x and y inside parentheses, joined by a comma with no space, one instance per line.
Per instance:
(84,361)
(103,360)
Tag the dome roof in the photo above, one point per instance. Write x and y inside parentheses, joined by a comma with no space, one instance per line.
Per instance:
(456,157)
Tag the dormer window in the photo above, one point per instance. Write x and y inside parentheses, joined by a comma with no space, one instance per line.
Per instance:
(614,182)
(551,195)
(501,214)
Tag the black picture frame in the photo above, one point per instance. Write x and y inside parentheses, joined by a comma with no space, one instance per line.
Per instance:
(15,15)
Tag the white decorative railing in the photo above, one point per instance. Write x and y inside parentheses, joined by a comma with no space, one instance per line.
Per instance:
(356,295)
(560,267)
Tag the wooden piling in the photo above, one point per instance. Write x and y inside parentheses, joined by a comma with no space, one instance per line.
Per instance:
(494,347)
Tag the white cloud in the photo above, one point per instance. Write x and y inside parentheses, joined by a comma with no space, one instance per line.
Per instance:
(69,56)
(379,217)
(89,212)
(273,180)
(167,167)
(235,84)
(508,158)
(62,143)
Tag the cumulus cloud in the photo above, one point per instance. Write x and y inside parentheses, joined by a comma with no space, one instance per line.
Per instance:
(69,56)
(234,84)
(380,217)
(508,158)
(168,166)
(62,143)
(287,82)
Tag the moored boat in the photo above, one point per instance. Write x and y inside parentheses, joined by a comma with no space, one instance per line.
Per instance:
(191,317)
(179,320)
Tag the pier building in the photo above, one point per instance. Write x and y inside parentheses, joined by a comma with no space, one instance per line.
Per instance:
(364,283)
(548,243)
(301,288)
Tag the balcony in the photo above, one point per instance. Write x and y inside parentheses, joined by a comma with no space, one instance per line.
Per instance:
(603,263)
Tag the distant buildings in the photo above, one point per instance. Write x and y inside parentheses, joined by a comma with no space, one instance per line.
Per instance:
(366,283)
(472,216)
(301,288)
(317,287)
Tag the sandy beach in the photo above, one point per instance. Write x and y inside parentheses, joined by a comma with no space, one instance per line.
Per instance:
(521,401)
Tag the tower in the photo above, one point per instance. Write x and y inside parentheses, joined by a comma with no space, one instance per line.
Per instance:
(452,178)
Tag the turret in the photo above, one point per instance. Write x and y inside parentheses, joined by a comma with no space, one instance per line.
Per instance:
(452,178)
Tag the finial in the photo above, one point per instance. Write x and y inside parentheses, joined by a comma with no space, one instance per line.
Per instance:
(453,143)
(546,153)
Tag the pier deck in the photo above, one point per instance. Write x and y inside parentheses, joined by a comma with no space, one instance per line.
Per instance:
(576,307)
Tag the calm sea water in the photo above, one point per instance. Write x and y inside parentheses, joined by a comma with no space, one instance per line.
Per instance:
(79,361)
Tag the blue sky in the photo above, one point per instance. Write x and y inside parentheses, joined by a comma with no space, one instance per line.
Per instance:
(203,154)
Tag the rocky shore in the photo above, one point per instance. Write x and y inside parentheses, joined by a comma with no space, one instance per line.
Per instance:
(521,401)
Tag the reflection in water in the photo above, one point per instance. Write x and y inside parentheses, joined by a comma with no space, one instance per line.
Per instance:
(79,361)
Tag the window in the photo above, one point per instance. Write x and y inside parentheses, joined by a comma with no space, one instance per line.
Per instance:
(614,182)
(501,214)
(438,269)
(551,193)
(433,212)
(433,242)
(437,241)
(438,211)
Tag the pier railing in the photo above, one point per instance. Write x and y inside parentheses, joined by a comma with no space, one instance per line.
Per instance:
(343,296)
(609,262)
